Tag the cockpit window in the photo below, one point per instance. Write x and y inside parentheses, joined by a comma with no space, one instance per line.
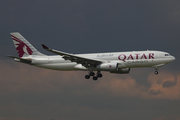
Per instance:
(167,55)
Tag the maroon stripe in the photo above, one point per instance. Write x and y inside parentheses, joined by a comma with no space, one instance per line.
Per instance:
(15,38)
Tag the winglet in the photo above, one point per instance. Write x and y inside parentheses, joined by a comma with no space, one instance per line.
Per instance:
(45,47)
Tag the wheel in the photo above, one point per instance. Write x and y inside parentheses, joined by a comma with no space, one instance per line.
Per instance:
(99,75)
(91,74)
(156,72)
(87,76)
(95,78)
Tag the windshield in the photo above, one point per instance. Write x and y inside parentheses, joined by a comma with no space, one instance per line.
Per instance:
(167,55)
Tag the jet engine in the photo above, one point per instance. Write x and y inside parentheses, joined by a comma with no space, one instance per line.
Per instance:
(112,68)
(107,66)
(121,71)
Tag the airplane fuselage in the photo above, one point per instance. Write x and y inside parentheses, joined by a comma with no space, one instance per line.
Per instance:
(134,59)
(114,62)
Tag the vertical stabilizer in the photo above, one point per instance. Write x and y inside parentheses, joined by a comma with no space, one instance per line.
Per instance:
(23,47)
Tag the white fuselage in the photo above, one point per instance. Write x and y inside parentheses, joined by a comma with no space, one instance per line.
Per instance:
(114,62)
(134,59)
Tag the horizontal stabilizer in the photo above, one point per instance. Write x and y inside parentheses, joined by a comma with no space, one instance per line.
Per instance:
(20,59)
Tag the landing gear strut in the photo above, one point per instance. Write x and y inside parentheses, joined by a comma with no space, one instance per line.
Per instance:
(91,73)
(156,71)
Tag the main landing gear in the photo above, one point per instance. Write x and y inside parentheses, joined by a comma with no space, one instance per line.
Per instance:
(95,77)
(156,71)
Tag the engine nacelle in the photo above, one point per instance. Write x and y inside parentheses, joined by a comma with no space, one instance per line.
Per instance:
(121,71)
(112,68)
(107,67)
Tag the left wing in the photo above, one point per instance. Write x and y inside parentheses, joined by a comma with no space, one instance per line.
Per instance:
(86,62)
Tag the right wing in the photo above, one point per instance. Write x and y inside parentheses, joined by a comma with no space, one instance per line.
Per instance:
(86,62)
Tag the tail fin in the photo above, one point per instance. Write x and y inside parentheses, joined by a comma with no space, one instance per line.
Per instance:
(23,47)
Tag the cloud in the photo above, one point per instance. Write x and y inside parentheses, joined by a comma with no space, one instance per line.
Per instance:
(154,92)
(120,87)
(169,83)
(20,77)
(166,84)
(163,86)
(56,93)
(168,117)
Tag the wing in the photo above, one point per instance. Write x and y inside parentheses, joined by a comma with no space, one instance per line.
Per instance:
(86,62)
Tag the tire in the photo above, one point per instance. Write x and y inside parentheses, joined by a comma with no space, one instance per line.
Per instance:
(156,72)
(87,76)
(99,75)
(95,78)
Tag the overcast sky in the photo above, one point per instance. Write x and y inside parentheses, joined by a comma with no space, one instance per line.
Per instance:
(89,26)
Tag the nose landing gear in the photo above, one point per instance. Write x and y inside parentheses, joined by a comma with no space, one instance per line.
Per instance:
(156,71)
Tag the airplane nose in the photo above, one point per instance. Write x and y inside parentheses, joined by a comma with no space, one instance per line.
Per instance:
(173,58)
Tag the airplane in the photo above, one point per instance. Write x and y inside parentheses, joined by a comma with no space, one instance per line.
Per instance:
(114,62)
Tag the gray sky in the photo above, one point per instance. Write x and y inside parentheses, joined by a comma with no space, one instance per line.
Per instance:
(86,26)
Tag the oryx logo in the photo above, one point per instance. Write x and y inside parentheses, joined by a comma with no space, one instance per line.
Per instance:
(21,47)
